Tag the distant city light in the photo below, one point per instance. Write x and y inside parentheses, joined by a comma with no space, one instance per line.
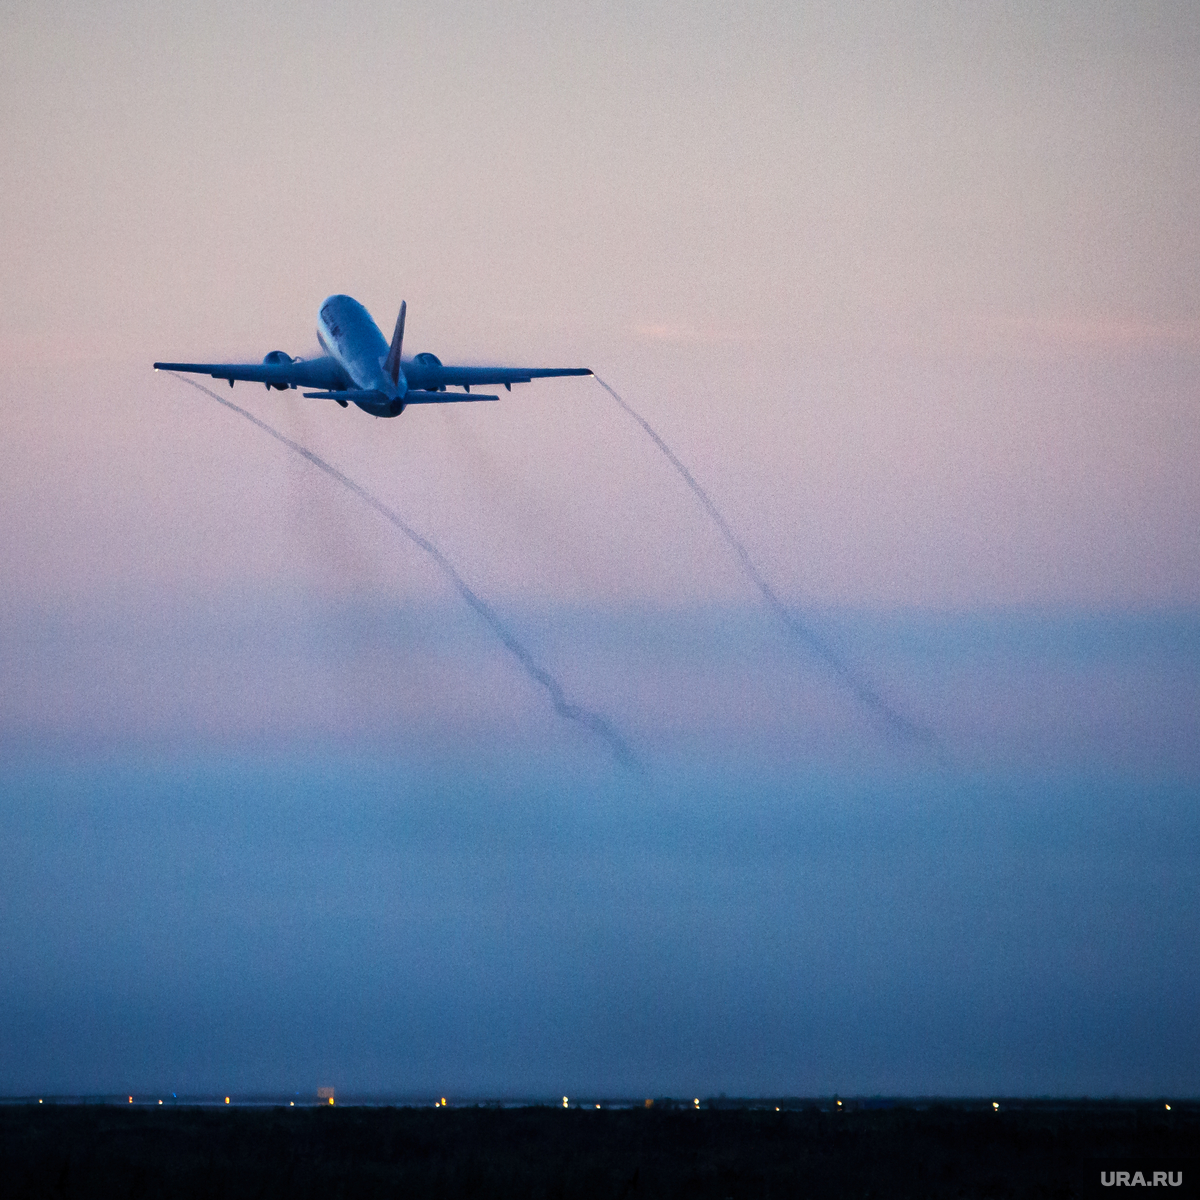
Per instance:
(291,1104)
(995,1106)
(159,1102)
(777,1108)
(839,1104)
(696,1102)
(131,1099)
(565,1105)
(1168,1106)
(39,1101)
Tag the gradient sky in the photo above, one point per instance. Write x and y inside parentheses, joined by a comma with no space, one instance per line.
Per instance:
(913,289)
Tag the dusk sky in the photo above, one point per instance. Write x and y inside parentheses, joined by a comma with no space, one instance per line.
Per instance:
(913,290)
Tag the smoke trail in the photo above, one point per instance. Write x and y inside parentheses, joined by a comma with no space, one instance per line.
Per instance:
(896,721)
(590,720)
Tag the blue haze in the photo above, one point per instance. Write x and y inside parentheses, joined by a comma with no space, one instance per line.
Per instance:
(792,904)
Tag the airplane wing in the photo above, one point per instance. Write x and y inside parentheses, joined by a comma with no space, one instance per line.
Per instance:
(312,372)
(431,376)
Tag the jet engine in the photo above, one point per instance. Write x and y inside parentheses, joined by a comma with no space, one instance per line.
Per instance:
(430,360)
(277,358)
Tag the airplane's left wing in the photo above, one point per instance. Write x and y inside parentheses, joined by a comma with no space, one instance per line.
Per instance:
(296,372)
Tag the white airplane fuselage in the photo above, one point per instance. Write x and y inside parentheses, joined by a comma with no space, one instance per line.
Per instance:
(349,335)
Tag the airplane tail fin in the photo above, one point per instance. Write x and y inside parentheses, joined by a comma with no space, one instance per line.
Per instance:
(391,364)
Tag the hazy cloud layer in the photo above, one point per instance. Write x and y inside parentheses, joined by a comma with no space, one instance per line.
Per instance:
(1006,691)
(407,928)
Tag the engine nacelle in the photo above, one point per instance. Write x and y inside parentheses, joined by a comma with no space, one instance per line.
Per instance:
(430,360)
(277,358)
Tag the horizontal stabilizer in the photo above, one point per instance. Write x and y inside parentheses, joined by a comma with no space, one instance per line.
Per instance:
(371,397)
(444,398)
(374,397)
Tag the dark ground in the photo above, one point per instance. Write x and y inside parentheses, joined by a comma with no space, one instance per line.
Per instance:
(960,1149)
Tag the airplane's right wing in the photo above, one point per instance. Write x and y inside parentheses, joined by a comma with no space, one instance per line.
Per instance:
(431,376)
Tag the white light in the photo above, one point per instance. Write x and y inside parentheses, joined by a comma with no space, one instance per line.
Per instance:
(995,1106)
(160,1102)
(1168,1106)
(565,1102)
(291,1104)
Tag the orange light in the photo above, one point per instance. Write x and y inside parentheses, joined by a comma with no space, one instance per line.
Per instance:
(130,1099)
(330,1099)
(226,1099)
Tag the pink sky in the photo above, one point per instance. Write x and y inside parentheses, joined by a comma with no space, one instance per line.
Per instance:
(915,292)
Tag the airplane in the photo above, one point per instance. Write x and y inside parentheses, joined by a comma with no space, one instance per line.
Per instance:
(361,368)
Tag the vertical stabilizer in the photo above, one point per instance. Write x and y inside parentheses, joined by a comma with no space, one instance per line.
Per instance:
(391,364)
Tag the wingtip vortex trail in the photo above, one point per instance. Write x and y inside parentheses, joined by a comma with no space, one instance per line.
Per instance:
(891,717)
(588,719)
